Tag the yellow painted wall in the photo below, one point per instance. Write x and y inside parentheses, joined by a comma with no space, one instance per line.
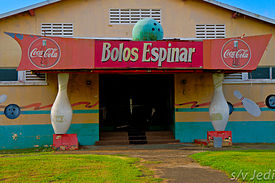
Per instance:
(188,85)
(199,89)
(189,91)
(78,91)
(91,19)
(255,92)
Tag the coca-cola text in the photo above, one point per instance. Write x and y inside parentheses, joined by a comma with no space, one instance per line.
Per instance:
(48,53)
(241,53)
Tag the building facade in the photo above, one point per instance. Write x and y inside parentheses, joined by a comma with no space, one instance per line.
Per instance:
(101,101)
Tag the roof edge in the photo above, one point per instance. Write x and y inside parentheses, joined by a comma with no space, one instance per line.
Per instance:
(27,8)
(244,12)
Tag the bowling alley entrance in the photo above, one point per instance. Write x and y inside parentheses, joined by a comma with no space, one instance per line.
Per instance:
(135,106)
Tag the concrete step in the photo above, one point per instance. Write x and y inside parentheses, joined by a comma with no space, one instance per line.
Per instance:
(159,133)
(112,142)
(164,141)
(113,134)
(127,142)
(140,137)
(136,137)
(137,142)
(114,138)
(160,137)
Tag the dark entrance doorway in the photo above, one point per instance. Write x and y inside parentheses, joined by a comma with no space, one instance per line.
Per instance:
(141,102)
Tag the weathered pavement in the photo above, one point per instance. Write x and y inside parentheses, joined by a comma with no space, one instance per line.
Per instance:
(169,161)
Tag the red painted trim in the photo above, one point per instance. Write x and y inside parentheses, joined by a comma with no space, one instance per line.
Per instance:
(118,71)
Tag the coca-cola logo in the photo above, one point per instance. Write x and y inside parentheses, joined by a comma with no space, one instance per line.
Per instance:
(44,53)
(236,54)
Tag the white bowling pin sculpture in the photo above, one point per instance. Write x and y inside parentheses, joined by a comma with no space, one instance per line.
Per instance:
(218,110)
(250,106)
(3,98)
(61,112)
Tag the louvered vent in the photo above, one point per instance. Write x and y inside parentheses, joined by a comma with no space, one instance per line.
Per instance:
(34,77)
(210,31)
(235,77)
(57,29)
(132,16)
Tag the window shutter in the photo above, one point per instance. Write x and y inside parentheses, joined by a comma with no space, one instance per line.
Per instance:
(132,16)
(28,76)
(236,77)
(35,77)
(57,29)
(210,31)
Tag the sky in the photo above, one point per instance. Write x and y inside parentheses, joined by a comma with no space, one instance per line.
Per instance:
(262,7)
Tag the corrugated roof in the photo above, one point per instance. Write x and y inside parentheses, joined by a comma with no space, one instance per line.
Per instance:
(214,2)
(241,11)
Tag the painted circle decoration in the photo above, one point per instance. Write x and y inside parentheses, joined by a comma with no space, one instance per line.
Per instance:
(44,53)
(12,111)
(236,54)
(231,108)
(270,101)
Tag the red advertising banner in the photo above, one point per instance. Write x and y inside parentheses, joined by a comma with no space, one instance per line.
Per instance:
(154,54)
(234,53)
(56,53)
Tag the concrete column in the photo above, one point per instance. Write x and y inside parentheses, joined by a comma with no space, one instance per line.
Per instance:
(61,112)
(218,110)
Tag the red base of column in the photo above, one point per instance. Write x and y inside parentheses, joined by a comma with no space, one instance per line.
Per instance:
(201,141)
(65,142)
(225,135)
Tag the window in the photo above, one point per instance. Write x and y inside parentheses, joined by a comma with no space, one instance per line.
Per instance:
(132,16)
(13,77)
(260,75)
(8,75)
(210,31)
(273,72)
(57,29)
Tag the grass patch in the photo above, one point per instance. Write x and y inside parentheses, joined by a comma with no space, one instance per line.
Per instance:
(244,165)
(50,167)
(28,150)
(236,147)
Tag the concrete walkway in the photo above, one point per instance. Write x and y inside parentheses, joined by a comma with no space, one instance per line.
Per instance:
(169,161)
